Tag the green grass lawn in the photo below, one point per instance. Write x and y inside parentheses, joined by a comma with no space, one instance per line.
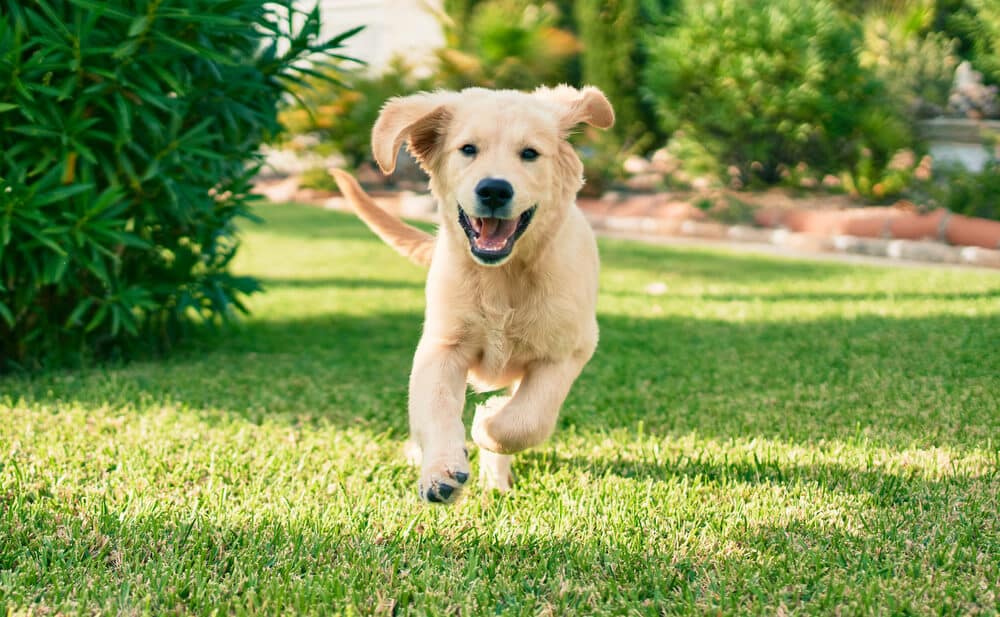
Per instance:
(767,435)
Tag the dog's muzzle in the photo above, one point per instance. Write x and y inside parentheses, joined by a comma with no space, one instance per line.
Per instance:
(492,239)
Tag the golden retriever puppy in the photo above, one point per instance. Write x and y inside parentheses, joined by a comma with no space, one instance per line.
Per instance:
(512,286)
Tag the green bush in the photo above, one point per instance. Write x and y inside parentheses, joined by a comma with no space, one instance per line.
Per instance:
(129,134)
(972,193)
(340,113)
(916,65)
(505,44)
(976,24)
(611,58)
(771,85)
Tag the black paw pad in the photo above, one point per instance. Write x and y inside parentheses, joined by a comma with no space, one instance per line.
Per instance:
(445,491)
(437,492)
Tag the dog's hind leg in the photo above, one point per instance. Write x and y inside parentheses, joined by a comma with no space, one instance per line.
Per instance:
(529,417)
(412,453)
(494,469)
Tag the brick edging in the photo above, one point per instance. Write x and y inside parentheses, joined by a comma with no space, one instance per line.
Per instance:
(892,249)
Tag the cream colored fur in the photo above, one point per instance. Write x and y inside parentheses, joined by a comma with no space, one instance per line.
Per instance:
(527,325)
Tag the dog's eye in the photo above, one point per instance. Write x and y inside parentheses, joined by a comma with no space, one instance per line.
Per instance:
(529,154)
(469,150)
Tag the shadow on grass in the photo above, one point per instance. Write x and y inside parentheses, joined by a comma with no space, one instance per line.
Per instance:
(193,561)
(898,381)
(880,487)
(713,265)
(336,282)
(176,563)
(310,222)
(825,297)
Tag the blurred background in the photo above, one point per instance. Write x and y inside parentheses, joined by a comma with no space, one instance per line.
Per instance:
(134,136)
(875,102)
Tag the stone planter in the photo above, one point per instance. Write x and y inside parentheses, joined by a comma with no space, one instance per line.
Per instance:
(958,140)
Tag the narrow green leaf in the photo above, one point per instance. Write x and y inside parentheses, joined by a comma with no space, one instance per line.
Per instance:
(8,317)
(139,24)
(61,194)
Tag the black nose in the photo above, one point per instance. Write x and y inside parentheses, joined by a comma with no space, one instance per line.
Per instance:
(494,193)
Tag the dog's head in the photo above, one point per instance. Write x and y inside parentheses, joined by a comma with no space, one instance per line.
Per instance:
(499,162)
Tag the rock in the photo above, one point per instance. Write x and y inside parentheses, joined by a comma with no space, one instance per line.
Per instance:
(278,191)
(645,182)
(681,177)
(678,210)
(664,162)
(416,205)
(286,162)
(970,97)
(636,165)
(701,183)
(303,142)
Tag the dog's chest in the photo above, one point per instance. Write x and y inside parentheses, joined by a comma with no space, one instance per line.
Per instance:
(514,331)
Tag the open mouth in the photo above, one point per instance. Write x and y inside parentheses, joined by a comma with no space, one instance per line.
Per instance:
(492,239)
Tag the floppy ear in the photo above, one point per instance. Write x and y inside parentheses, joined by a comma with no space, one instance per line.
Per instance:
(588,105)
(419,119)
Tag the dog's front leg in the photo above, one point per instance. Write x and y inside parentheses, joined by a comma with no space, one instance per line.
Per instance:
(529,417)
(437,397)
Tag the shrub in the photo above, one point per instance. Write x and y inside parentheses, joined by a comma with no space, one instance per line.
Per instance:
(126,129)
(972,193)
(767,85)
(976,24)
(916,66)
(611,58)
(505,44)
(340,112)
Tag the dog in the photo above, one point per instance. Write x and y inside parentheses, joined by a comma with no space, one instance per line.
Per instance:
(512,286)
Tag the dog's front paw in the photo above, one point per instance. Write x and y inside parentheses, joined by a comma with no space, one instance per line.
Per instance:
(442,476)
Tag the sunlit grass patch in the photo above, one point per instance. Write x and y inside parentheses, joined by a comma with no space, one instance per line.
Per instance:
(753,434)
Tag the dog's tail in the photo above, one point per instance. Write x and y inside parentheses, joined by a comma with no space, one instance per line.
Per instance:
(408,241)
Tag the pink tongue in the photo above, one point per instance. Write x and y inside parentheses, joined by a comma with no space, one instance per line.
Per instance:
(489,227)
(494,233)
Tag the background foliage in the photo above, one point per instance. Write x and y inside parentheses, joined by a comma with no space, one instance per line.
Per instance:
(805,94)
(340,112)
(976,25)
(770,85)
(612,59)
(128,135)
(505,44)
